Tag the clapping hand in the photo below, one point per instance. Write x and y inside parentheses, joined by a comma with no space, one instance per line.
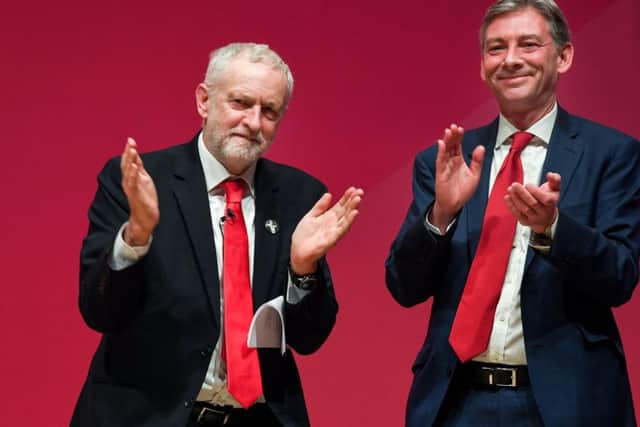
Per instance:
(455,181)
(142,197)
(321,228)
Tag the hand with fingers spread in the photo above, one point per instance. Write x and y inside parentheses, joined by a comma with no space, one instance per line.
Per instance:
(321,228)
(141,194)
(535,206)
(455,181)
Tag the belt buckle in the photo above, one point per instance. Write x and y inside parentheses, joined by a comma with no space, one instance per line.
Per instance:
(205,410)
(492,381)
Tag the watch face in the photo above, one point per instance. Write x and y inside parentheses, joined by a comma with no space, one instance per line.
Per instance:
(539,239)
(306,283)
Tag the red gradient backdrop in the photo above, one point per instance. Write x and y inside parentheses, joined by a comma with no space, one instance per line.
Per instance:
(375,83)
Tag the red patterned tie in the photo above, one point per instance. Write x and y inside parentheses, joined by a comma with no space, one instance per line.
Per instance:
(243,368)
(474,318)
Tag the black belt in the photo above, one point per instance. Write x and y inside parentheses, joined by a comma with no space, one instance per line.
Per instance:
(495,375)
(209,415)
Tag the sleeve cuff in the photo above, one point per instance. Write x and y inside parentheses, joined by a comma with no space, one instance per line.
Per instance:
(543,241)
(435,229)
(124,255)
(294,293)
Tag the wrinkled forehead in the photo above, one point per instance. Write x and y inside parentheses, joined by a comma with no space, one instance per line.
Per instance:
(260,77)
(522,22)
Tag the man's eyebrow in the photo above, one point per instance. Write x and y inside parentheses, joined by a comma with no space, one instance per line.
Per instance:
(519,37)
(236,93)
(271,104)
(529,36)
(494,39)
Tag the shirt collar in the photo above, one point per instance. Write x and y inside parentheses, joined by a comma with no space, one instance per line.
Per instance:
(215,172)
(541,129)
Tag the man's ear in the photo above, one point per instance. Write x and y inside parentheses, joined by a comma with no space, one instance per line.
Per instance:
(202,100)
(565,58)
(482,77)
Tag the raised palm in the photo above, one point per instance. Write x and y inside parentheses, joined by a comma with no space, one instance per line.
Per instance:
(141,194)
(455,181)
(321,228)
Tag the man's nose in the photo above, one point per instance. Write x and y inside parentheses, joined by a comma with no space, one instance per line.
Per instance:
(513,56)
(252,118)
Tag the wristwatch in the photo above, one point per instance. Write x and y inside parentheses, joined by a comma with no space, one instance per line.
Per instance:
(541,241)
(306,282)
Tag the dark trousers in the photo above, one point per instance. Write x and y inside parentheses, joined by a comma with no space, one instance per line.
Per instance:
(469,405)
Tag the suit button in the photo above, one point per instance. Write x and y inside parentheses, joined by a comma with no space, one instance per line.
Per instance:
(205,352)
(188,403)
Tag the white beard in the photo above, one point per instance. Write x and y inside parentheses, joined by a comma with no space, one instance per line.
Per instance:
(234,152)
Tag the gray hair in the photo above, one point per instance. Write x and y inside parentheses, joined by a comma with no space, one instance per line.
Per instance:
(558,25)
(220,58)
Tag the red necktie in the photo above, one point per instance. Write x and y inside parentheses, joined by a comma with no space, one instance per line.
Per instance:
(243,368)
(474,318)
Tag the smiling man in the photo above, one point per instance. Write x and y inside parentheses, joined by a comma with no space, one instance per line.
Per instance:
(526,233)
(185,243)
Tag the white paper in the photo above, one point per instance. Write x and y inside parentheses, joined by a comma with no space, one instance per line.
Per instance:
(267,326)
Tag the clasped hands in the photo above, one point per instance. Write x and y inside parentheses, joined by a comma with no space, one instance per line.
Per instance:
(456,182)
(316,233)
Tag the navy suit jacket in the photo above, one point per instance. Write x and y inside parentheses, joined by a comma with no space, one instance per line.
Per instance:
(575,358)
(159,318)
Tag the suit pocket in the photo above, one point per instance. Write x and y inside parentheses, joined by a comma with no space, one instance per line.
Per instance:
(594,340)
(422,358)
(117,404)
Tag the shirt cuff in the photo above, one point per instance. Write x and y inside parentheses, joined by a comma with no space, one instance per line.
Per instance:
(294,293)
(435,229)
(552,229)
(542,241)
(124,255)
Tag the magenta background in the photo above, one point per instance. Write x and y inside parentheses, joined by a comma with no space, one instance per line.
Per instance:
(375,83)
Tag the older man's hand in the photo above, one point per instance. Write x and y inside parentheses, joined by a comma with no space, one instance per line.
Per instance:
(321,228)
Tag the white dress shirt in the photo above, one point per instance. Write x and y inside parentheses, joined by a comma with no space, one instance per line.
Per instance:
(506,343)
(214,387)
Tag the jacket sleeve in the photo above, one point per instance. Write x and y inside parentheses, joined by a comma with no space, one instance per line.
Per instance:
(310,321)
(601,258)
(414,264)
(108,299)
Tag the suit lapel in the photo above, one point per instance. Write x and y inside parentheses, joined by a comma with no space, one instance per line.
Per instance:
(476,206)
(267,242)
(189,189)
(564,151)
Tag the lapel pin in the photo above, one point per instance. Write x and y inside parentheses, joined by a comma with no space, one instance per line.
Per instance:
(272,226)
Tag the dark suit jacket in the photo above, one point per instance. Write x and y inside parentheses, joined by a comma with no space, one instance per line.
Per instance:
(160,317)
(575,358)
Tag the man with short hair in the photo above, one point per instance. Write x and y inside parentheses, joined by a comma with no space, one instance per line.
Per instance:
(184,244)
(526,233)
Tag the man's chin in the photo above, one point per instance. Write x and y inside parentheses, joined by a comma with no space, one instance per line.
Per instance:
(516,96)
(241,154)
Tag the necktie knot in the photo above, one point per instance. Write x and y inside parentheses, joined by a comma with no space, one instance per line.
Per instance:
(233,190)
(520,140)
